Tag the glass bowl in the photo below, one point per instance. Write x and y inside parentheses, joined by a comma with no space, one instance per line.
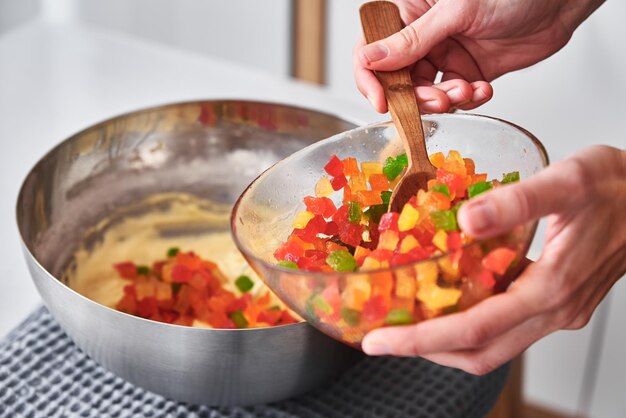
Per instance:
(347,305)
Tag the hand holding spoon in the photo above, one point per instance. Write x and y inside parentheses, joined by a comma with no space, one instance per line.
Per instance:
(379,20)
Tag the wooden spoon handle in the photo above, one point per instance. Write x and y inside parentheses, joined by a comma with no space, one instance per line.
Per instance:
(381,19)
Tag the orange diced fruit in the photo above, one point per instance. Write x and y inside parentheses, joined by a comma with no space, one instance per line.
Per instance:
(437,159)
(358,182)
(347,194)
(408,218)
(350,166)
(379,182)
(405,284)
(323,188)
(470,167)
(368,198)
(302,219)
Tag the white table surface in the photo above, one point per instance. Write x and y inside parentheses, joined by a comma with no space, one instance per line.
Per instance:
(58,79)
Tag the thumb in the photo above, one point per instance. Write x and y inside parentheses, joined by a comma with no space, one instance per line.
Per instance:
(411,43)
(558,188)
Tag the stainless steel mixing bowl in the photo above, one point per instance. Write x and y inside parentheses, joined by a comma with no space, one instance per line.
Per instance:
(211,149)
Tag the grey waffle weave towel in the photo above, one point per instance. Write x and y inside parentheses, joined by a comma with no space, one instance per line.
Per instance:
(43,374)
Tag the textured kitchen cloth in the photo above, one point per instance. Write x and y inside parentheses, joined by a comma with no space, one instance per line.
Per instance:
(44,374)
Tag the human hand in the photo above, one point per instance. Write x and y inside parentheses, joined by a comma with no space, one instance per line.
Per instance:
(471,42)
(584,255)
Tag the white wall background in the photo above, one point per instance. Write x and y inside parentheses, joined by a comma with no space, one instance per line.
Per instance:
(573,99)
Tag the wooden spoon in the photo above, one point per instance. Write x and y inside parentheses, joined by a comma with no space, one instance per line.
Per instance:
(381,19)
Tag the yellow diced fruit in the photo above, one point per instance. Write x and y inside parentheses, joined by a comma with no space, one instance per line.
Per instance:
(408,243)
(441,240)
(427,273)
(388,240)
(369,168)
(450,268)
(435,297)
(408,218)
(405,283)
(323,188)
(358,183)
(437,159)
(301,219)
(370,264)
(358,290)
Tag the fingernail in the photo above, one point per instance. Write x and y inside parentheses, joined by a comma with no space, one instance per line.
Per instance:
(375,52)
(482,215)
(371,101)
(376,348)
(478,94)
(433,106)
(456,95)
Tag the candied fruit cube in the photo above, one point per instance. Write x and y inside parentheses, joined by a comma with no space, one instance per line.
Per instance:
(324,188)
(369,198)
(350,166)
(334,167)
(302,219)
(379,182)
(408,218)
(408,243)
(441,240)
(388,240)
(369,168)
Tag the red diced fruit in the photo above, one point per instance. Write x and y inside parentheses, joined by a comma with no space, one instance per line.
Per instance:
(126,270)
(334,167)
(389,221)
(499,260)
(338,182)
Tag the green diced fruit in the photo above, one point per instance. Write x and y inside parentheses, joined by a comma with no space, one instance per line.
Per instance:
(511,177)
(399,317)
(386,197)
(392,168)
(288,265)
(354,212)
(176,287)
(351,316)
(143,270)
(374,213)
(341,261)
(478,188)
(403,160)
(173,251)
(244,283)
(441,188)
(321,304)
(444,219)
(239,319)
